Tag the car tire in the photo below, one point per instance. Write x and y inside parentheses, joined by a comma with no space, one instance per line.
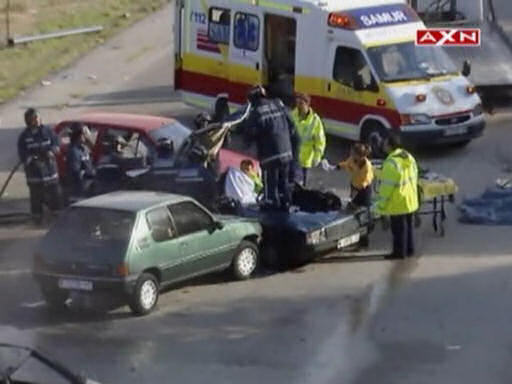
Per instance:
(145,295)
(245,261)
(373,133)
(55,298)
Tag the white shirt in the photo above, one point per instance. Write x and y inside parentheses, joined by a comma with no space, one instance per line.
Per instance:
(240,187)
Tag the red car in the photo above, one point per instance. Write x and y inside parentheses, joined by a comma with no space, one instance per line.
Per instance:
(140,132)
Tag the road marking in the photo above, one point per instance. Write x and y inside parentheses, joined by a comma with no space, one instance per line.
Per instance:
(15,272)
(34,305)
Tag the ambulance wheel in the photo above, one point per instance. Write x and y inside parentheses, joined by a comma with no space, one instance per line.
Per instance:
(461,144)
(373,134)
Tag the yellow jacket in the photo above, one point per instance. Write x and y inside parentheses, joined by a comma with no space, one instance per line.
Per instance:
(312,138)
(256,179)
(361,177)
(398,190)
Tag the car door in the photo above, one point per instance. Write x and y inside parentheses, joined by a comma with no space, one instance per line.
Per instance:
(206,246)
(166,246)
(352,83)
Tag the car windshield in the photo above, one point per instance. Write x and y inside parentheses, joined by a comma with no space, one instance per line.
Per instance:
(407,61)
(102,232)
(176,131)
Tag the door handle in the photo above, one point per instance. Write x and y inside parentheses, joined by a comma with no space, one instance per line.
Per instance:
(257,66)
(329,87)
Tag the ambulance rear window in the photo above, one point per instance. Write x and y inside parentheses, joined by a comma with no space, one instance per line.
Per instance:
(219,22)
(246,31)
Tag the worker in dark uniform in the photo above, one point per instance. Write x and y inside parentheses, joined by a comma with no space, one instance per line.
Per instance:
(79,165)
(277,141)
(37,149)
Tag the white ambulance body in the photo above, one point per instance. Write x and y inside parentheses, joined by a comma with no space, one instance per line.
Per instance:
(357,60)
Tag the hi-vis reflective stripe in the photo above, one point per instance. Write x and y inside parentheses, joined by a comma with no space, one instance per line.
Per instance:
(392,183)
(309,131)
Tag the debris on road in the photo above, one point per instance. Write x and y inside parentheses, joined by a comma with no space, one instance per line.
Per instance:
(92,77)
(46,83)
(453,347)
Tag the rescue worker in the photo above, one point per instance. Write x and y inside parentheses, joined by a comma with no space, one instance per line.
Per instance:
(361,171)
(37,149)
(273,130)
(312,135)
(81,172)
(398,195)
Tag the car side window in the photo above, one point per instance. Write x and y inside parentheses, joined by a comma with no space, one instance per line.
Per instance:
(90,133)
(160,224)
(190,218)
(350,63)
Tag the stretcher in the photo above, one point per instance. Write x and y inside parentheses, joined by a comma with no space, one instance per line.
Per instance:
(434,191)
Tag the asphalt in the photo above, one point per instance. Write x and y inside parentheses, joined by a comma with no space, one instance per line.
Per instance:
(442,317)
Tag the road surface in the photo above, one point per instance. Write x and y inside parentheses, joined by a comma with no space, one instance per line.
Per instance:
(438,319)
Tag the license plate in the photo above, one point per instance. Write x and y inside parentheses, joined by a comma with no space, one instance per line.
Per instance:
(456,131)
(346,241)
(75,284)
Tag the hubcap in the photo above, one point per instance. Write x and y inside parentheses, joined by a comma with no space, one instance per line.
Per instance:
(247,261)
(148,294)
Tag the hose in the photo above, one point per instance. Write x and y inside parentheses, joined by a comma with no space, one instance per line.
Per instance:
(11,174)
(12,217)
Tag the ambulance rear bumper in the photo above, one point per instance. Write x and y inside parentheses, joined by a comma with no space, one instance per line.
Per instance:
(434,135)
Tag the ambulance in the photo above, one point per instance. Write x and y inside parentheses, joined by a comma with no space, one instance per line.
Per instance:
(357,59)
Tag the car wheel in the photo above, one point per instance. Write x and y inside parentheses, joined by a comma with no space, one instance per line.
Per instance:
(245,261)
(55,298)
(145,294)
(373,134)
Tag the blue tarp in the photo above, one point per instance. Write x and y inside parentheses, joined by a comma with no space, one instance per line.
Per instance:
(494,207)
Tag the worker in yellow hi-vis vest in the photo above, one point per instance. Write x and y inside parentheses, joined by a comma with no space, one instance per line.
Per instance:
(398,195)
(311,133)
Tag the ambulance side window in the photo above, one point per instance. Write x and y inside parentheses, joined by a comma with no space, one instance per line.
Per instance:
(219,22)
(349,64)
(246,31)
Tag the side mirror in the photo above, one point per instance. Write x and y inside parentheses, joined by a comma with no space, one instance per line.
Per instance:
(216,226)
(466,68)
(160,234)
(358,83)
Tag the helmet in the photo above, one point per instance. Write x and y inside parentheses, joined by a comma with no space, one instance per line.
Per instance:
(256,93)
(202,119)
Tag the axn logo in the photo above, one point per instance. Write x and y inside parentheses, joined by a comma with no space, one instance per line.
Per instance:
(449,37)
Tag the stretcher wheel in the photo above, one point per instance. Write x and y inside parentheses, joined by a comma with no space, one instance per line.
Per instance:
(451,198)
(417,221)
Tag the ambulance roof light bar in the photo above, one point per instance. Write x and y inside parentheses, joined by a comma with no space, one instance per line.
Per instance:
(341,20)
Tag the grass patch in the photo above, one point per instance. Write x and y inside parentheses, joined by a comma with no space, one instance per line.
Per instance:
(24,65)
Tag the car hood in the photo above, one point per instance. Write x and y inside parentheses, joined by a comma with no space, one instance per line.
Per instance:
(232,218)
(299,221)
(444,96)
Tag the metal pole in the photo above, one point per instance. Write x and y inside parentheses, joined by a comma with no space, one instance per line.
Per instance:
(8,21)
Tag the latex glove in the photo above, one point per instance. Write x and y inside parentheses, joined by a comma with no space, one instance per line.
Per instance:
(326,166)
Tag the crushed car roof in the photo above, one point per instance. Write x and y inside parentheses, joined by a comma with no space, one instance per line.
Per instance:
(133,121)
(132,201)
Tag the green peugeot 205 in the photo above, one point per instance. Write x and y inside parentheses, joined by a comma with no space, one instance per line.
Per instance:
(130,245)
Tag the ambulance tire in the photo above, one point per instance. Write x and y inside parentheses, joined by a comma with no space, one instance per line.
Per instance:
(372,134)
(461,144)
